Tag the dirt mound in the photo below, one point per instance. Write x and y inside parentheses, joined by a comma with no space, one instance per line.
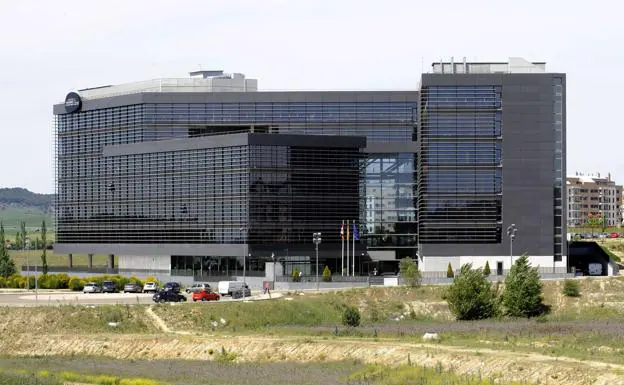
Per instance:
(486,362)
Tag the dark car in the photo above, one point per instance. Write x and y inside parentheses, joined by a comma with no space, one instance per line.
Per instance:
(172,286)
(133,287)
(109,287)
(168,296)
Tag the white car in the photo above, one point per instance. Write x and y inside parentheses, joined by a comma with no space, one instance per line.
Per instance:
(92,287)
(150,287)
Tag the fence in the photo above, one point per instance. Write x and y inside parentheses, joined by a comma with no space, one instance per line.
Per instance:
(312,278)
(71,270)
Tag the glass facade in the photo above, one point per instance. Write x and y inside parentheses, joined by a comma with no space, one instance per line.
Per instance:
(460,164)
(390,207)
(281,194)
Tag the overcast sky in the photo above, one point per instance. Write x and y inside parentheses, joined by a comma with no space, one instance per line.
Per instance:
(48,48)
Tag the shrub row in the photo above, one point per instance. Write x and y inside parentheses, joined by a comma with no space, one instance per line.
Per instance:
(64,281)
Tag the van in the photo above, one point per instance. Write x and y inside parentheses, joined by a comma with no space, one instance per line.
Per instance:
(595,269)
(228,287)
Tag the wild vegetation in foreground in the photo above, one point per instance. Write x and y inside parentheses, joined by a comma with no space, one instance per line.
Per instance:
(96,370)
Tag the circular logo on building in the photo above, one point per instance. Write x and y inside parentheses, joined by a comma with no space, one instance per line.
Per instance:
(73,102)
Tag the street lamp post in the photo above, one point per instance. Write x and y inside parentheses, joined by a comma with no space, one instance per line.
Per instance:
(24,239)
(316,237)
(511,233)
(242,230)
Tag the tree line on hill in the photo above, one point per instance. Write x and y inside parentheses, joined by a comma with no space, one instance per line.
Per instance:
(22,197)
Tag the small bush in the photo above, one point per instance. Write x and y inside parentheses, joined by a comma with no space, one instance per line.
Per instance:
(449,271)
(76,284)
(225,356)
(571,288)
(63,280)
(326,274)
(409,271)
(351,317)
(295,275)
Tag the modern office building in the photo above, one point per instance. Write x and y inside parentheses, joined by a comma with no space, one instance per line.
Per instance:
(491,155)
(196,177)
(593,201)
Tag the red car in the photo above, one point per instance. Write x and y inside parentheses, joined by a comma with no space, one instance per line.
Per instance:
(205,295)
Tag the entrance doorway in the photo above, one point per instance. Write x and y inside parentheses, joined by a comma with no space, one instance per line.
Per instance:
(499,268)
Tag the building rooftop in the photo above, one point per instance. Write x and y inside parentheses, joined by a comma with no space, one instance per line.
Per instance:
(513,65)
(198,81)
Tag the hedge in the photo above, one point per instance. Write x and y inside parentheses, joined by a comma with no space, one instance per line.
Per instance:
(64,281)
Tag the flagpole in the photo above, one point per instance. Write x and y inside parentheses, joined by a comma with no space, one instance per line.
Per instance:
(353,267)
(347,248)
(342,249)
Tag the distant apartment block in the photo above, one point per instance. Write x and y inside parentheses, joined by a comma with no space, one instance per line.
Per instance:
(592,195)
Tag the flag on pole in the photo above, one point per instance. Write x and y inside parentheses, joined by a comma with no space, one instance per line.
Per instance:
(356,233)
(347,230)
(342,231)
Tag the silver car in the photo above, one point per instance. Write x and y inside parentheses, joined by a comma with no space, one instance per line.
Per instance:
(197,287)
(92,287)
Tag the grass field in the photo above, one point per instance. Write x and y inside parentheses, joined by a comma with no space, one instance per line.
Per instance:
(11,216)
(188,372)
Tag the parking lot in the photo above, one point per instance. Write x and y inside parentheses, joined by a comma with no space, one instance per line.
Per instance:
(55,298)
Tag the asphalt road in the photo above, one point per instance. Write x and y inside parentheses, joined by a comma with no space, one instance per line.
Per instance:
(48,298)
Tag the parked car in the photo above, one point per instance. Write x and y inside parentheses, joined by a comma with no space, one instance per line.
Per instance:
(92,287)
(168,296)
(150,287)
(109,287)
(197,287)
(614,235)
(172,286)
(238,293)
(228,287)
(132,287)
(205,295)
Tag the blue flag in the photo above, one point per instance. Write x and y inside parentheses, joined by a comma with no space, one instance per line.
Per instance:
(356,233)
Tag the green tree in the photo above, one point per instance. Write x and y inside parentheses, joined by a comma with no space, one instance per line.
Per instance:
(7,266)
(18,241)
(409,271)
(23,233)
(471,296)
(594,221)
(326,274)
(44,241)
(449,271)
(351,316)
(522,296)
(486,269)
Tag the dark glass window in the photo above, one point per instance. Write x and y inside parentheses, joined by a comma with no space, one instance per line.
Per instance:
(460,165)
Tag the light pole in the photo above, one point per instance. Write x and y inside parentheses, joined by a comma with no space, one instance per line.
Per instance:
(316,237)
(511,233)
(242,230)
(24,239)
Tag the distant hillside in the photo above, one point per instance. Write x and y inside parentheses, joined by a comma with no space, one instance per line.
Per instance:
(18,204)
(20,197)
